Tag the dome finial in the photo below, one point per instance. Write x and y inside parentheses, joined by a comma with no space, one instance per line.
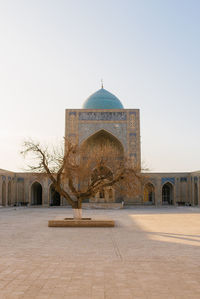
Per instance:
(101,83)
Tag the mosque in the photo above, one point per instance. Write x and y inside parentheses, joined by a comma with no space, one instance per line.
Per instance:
(103,118)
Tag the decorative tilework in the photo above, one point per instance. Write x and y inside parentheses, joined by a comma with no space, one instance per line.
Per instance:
(153,181)
(72,123)
(183,179)
(171,180)
(111,116)
(20,179)
(133,158)
(132,120)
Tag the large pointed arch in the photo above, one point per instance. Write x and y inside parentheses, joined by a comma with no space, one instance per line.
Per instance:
(36,193)
(103,138)
(149,193)
(167,194)
(103,144)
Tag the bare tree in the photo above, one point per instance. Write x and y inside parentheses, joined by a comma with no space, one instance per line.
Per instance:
(78,174)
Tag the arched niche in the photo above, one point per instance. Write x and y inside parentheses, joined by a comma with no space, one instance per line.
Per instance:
(4,193)
(36,194)
(54,196)
(167,194)
(9,192)
(106,194)
(149,193)
(195,194)
(102,139)
(103,142)
(102,171)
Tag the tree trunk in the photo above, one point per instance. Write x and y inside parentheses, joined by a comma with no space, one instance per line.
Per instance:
(77,209)
(77,213)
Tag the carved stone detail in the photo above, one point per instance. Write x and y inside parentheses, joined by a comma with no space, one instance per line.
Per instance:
(132,121)
(112,116)
(72,123)
(132,144)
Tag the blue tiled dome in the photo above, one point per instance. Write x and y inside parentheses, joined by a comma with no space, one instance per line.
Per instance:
(102,99)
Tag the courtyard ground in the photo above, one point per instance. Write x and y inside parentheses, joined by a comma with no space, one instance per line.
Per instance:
(151,253)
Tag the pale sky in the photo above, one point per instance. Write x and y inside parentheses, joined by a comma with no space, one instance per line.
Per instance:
(53,55)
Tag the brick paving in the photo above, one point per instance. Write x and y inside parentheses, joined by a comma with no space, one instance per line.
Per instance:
(151,253)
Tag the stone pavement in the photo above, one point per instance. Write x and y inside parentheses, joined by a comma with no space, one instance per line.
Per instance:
(151,253)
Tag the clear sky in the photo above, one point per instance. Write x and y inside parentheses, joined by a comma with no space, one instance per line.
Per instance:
(53,54)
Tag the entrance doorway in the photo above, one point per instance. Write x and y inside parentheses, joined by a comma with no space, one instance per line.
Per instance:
(167,194)
(149,194)
(54,197)
(103,142)
(9,193)
(4,193)
(195,194)
(36,194)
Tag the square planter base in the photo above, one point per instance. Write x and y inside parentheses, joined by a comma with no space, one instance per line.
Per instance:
(70,222)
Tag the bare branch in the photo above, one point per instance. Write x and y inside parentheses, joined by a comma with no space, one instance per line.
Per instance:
(79,173)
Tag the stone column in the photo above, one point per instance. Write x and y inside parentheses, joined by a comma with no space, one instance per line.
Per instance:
(45,193)
(189,190)
(6,192)
(192,190)
(15,190)
(158,193)
(176,191)
(26,190)
(0,191)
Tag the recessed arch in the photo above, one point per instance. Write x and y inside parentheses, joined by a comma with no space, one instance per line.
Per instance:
(195,194)
(9,192)
(103,171)
(103,144)
(102,138)
(167,193)
(104,194)
(4,193)
(54,196)
(149,193)
(36,193)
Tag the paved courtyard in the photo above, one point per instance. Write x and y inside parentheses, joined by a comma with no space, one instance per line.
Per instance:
(151,253)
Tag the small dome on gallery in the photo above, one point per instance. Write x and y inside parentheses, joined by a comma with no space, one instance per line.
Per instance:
(102,99)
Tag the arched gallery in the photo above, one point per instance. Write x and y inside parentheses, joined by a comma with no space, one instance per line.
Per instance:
(103,120)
